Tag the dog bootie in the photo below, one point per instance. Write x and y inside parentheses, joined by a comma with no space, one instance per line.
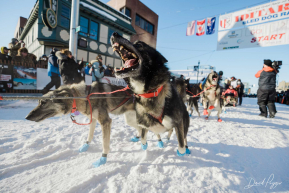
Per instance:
(84,148)
(135,139)
(99,162)
(179,154)
(206,118)
(144,147)
(211,107)
(205,112)
(188,151)
(220,120)
(160,144)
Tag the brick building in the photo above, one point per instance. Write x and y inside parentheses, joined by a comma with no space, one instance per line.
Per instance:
(143,19)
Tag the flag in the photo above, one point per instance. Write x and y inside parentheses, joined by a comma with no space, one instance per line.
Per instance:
(211,25)
(201,27)
(191,28)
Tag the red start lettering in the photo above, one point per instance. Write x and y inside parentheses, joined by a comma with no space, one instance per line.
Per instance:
(264,38)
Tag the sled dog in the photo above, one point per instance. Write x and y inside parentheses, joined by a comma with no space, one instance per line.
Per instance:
(159,108)
(211,96)
(193,101)
(101,108)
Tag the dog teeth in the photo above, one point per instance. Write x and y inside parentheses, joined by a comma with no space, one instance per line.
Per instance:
(133,54)
(114,49)
(121,47)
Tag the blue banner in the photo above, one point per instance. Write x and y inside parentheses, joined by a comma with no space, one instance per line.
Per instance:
(211,25)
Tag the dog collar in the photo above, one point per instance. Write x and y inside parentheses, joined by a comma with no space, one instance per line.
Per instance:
(152,94)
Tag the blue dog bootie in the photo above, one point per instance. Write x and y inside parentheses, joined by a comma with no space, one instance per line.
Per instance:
(84,148)
(99,162)
(179,154)
(187,150)
(144,147)
(160,144)
(134,139)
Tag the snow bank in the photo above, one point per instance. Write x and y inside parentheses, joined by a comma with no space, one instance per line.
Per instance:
(225,157)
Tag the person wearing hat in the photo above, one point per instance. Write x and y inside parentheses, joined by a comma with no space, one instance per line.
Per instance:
(240,90)
(14,46)
(4,54)
(22,56)
(53,72)
(87,68)
(266,91)
(97,69)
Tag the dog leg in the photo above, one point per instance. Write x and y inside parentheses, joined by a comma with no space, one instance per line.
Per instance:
(180,136)
(160,143)
(85,146)
(130,119)
(144,144)
(196,106)
(219,112)
(187,148)
(105,122)
(205,105)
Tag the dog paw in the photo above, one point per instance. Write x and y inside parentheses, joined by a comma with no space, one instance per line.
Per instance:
(144,147)
(99,162)
(179,154)
(220,120)
(206,112)
(160,144)
(206,118)
(84,148)
(211,107)
(134,139)
(188,151)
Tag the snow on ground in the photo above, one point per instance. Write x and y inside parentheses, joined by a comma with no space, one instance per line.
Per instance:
(225,157)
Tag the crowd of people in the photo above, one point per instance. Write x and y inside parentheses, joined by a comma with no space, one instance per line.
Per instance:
(61,63)
(282,97)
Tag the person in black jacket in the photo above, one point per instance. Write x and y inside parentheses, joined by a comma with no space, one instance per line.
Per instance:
(266,92)
(69,69)
(240,90)
(53,72)
(4,54)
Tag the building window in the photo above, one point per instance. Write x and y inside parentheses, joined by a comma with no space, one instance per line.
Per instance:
(144,24)
(84,26)
(32,34)
(65,16)
(110,32)
(93,30)
(126,11)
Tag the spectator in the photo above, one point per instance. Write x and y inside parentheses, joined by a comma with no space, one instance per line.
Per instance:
(4,54)
(182,77)
(227,83)
(33,58)
(14,46)
(23,56)
(69,69)
(240,90)
(87,68)
(97,70)
(266,92)
(53,72)
(232,93)
(234,82)
(108,71)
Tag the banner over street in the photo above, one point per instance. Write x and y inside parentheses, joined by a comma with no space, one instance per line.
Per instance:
(255,15)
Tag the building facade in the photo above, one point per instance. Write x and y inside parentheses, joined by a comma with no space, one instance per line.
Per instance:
(144,20)
(283,86)
(48,26)
(20,27)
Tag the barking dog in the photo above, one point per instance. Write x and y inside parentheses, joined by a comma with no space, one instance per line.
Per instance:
(159,108)
(100,110)
(211,97)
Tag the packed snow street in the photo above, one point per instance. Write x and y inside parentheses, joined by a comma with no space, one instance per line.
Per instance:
(225,157)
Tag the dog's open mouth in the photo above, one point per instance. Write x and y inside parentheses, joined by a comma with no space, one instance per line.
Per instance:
(215,78)
(130,59)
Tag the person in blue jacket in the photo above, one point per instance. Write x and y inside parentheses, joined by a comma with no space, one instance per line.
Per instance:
(97,70)
(53,72)
(87,68)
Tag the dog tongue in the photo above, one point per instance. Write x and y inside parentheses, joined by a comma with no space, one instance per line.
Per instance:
(129,63)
